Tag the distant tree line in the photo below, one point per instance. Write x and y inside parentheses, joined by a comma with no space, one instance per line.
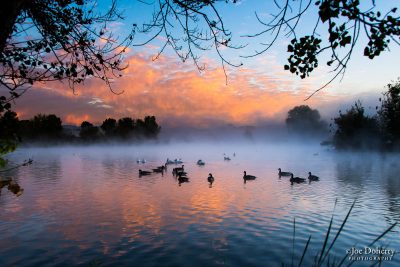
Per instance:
(125,128)
(49,128)
(354,129)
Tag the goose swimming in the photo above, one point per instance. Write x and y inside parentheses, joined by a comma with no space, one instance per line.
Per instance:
(210,178)
(144,172)
(248,176)
(297,179)
(178,169)
(312,177)
(160,168)
(181,173)
(182,178)
(281,173)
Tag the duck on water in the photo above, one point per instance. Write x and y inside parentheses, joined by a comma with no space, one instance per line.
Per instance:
(312,177)
(160,168)
(182,178)
(281,173)
(296,179)
(178,169)
(144,172)
(210,179)
(248,176)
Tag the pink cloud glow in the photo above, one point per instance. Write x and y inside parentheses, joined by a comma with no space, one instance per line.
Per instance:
(175,93)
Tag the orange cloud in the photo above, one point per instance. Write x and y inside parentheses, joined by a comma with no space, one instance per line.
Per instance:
(177,93)
(76,119)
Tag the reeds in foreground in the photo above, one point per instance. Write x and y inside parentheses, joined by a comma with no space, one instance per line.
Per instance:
(323,257)
(324,254)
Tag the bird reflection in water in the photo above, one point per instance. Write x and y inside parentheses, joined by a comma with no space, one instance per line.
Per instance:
(182,178)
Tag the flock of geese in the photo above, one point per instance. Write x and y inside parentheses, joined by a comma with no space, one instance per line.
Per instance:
(311,177)
(181,175)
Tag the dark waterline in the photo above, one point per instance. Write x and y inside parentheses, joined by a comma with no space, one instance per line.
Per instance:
(81,205)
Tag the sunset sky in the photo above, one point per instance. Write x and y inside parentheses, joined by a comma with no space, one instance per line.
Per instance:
(177,93)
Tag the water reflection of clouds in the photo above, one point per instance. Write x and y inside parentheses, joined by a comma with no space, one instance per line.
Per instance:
(99,205)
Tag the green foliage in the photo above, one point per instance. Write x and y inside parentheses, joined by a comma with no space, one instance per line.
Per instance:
(6,146)
(356,130)
(305,120)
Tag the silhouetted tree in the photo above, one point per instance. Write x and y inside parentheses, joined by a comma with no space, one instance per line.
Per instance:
(86,124)
(389,115)
(89,131)
(147,128)
(47,40)
(356,130)
(140,128)
(305,120)
(109,126)
(9,125)
(49,126)
(151,126)
(8,138)
(125,127)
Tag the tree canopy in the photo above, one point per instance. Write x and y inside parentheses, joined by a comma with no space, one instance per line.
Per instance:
(355,129)
(306,121)
(46,40)
(389,114)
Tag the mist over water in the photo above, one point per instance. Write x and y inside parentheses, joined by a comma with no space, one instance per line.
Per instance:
(82,204)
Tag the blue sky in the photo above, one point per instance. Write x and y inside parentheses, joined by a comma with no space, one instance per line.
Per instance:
(363,74)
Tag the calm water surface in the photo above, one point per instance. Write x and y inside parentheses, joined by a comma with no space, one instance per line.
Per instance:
(86,204)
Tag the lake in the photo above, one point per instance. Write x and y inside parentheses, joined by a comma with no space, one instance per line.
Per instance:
(88,205)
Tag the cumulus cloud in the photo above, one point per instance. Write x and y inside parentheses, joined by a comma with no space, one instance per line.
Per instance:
(176,94)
